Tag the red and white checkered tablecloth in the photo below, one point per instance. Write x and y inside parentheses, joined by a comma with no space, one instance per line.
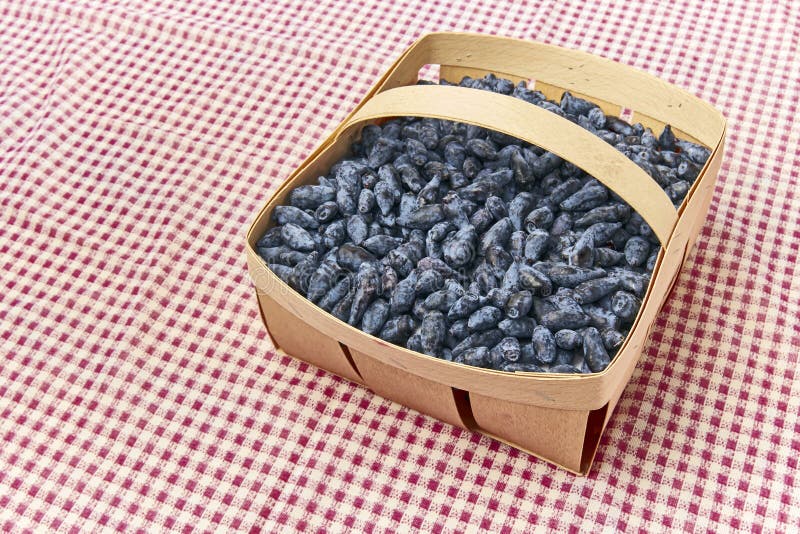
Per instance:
(138,388)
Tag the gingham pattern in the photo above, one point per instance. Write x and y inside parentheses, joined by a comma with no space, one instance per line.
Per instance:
(138,389)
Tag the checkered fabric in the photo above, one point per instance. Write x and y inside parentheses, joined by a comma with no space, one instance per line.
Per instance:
(138,387)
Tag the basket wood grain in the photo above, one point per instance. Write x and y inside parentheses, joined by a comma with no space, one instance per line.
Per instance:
(559,418)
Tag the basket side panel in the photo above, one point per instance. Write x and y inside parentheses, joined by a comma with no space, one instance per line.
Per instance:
(303,342)
(694,213)
(426,396)
(555,435)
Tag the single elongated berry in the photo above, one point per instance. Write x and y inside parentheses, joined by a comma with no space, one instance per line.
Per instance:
(497,297)
(283,272)
(441,300)
(381,244)
(476,356)
(460,248)
(484,279)
(569,275)
(423,218)
(615,124)
(273,254)
(430,193)
(523,173)
(341,310)
(568,339)
(479,190)
(537,244)
(666,141)
(323,279)
(382,151)
(545,164)
(516,244)
(326,212)
(435,264)
(625,305)
(612,340)
(486,338)
(366,201)
(637,250)
(351,257)
(561,224)
(408,203)
(610,213)
(432,333)
(375,316)
(271,238)
(308,197)
(481,220)
(544,344)
(519,208)
(586,198)
(607,257)
(603,231)
(427,282)
(337,293)
(397,329)
(481,148)
(498,259)
(386,194)
(594,352)
(455,210)
(521,328)
(510,280)
(417,152)
(630,281)
(335,234)
(541,218)
(455,154)
(497,235)
(564,190)
(601,317)
(535,281)
(519,304)
(297,238)
(292,257)
(458,329)
(564,298)
(402,298)
(594,290)
(346,201)
(582,252)
(357,228)
(497,207)
(508,350)
(291,214)
(367,284)
(561,319)
(389,280)
(484,318)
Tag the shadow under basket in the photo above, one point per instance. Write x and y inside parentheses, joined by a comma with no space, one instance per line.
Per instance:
(559,418)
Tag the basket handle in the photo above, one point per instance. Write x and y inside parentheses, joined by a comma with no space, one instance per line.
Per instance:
(535,125)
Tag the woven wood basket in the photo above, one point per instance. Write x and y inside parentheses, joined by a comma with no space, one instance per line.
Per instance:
(559,418)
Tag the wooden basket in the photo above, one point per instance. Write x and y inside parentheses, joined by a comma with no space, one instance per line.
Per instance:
(559,418)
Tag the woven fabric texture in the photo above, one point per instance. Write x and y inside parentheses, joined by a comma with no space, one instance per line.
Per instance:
(138,387)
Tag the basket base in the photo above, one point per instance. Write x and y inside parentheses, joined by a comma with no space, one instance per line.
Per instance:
(566,438)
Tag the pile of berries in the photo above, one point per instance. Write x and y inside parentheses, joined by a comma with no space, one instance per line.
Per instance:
(475,247)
